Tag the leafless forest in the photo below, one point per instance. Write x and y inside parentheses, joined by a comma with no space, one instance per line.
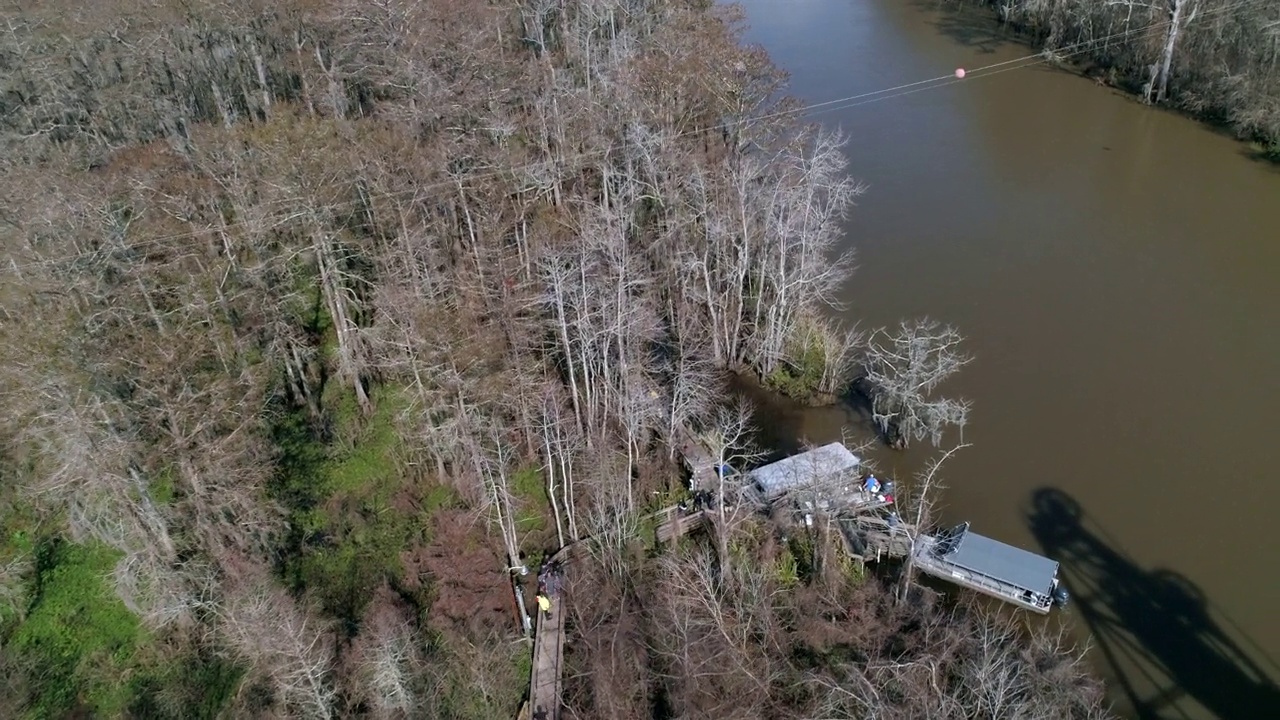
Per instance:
(318,316)
(1219,59)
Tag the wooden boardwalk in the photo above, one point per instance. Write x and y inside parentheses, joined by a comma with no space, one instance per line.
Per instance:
(546,679)
(869,538)
(675,523)
(697,458)
(546,676)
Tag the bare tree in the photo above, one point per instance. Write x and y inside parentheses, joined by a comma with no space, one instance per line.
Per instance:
(717,631)
(903,369)
(968,662)
(1214,58)
(610,524)
(13,574)
(562,446)
(995,678)
(919,507)
(491,458)
(544,230)
(838,350)
(800,268)
(1180,13)
(389,665)
(340,297)
(691,385)
(284,643)
(728,438)
(88,468)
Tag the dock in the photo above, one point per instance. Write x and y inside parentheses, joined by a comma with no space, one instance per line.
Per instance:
(961,557)
(697,458)
(826,480)
(870,538)
(991,567)
(674,522)
(545,682)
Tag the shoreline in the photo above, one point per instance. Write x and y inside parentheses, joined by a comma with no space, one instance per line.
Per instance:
(1086,64)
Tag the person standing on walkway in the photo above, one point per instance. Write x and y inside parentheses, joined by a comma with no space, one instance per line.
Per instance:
(544,604)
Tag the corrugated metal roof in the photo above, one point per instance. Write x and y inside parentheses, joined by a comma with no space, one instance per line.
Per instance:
(807,468)
(1006,563)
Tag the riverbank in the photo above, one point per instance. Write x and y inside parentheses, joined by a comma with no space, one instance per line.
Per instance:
(1220,66)
(1096,255)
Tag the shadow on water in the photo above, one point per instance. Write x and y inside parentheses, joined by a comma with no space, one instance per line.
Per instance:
(1159,635)
(972,26)
(1269,160)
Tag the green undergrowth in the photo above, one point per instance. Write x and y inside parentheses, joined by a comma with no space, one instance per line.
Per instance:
(17,558)
(348,495)
(788,572)
(529,486)
(799,375)
(70,648)
(160,488)
(480,681)
(197,686)
(77,639)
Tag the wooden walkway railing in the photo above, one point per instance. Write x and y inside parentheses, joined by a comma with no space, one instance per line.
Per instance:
(697,458)
(546,681)
(868,538)
(676,523)
(546,677)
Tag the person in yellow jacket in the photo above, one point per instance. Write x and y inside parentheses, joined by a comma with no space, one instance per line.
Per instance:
(544,604)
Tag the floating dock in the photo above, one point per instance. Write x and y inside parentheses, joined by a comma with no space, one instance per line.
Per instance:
(991,567)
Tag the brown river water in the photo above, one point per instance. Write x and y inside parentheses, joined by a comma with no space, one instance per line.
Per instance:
(1115,269)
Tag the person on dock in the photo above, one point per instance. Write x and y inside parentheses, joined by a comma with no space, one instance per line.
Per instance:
(872,486)
(544,604)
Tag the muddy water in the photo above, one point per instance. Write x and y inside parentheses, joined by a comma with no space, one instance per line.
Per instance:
(1116,270)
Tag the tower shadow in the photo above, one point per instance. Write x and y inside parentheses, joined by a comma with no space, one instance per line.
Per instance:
(1163,641)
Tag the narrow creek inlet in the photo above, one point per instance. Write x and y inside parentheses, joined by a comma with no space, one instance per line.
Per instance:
(1113,267)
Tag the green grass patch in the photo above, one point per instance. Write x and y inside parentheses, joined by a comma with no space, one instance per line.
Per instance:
(77,638)
(439,497)
(854,572)
(647,530)
(801,549)
(530,490)
(800,376)
(787,569)
(346,533)
(198,686)
(72,649)
(161,487)
(527,483)
(370,466)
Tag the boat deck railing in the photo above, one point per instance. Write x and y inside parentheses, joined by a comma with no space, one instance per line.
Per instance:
(939,567)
